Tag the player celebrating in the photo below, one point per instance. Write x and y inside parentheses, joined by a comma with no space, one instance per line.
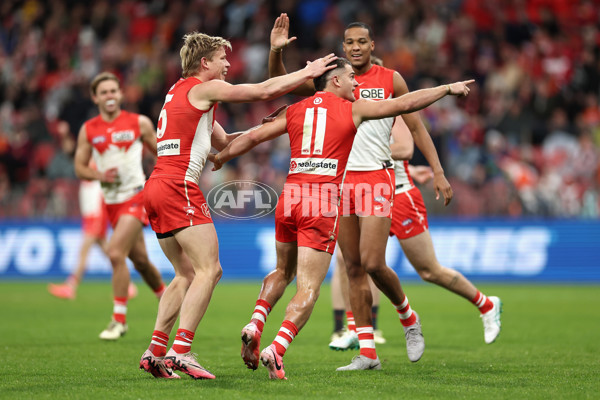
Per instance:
(410,226)
(115,140)
(366,220)
(321,130)
(177,209)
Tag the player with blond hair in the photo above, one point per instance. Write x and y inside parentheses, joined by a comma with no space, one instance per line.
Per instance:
(176,206)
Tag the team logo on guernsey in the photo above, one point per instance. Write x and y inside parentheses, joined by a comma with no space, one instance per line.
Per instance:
(318,100)
(242,200)
(315,166)
(122,136)
(372,93)
(168,148)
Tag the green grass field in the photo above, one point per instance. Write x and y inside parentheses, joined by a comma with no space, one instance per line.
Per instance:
(549,348)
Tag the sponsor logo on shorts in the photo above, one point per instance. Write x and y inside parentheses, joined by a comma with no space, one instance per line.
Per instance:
(407,222)
(381,199)
(122,136)
(242,200)
(372,93)
(315,166)
(168,148)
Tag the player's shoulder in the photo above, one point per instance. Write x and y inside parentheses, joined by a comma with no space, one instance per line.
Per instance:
(320,99)
(379,71)
(93,122)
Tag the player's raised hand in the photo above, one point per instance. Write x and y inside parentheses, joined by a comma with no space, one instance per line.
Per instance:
(213,157)
(460,88)
(319,66)
(280,32)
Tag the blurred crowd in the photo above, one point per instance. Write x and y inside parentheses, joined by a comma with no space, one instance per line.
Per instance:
(524,143)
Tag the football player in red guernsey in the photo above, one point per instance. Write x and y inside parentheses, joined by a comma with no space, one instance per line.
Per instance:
(322,129)
(116,139)
(176,206)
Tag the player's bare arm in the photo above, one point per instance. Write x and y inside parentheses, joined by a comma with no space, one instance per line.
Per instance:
(147,133)
(403,145)
(220,139)
(279,40)
(423,141)
(83,154)
(205,95)
(249,139)
(363,109)
(420,173)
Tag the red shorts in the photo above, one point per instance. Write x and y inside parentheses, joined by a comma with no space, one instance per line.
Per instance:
(410,214)
(134,206)
(95,225)
(298,222)
(367,193)
(174,203)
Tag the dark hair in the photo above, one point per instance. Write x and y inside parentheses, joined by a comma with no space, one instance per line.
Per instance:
(321,81)
(361,25)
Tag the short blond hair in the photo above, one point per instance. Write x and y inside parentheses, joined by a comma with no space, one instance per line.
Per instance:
(196,46)
(101,77)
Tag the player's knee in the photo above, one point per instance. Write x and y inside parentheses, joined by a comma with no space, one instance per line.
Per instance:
(428,274)
(116,256)
(354,269)
(373,266)
(216,272)
(289,276)
(310,296)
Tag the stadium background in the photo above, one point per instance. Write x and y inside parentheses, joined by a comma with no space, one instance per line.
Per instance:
(521,152)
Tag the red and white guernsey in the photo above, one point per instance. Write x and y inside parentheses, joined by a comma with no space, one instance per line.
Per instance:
(371,148)
(118,144)
(183,135)
(404,181)
(321,131)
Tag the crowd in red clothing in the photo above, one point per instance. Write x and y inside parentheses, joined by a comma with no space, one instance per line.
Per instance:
(525,142)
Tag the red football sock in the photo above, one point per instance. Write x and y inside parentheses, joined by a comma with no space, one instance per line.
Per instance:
(482,302)
(406,314)
(158,344)
(366,341)
(350,321)
(160,291)
(286,334)
(120,309)
(183,341)
(260,314)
